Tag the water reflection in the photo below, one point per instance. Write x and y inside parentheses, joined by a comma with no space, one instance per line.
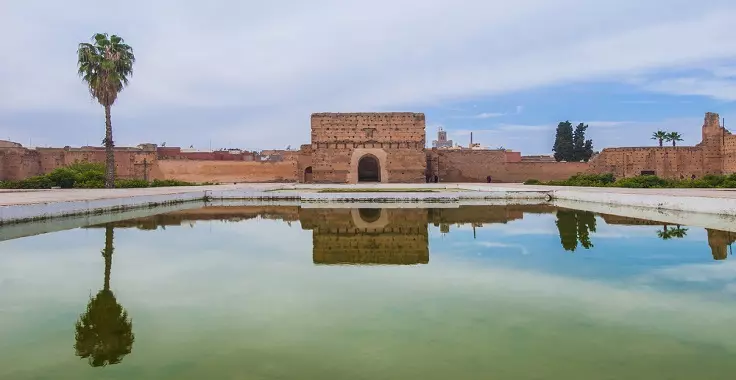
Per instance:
(104,332)
(720,242)
(575,227)
(399,236)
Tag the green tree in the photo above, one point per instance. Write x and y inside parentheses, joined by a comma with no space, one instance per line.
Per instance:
(588,150)
(104,332)
(660,136)
(105,65)
(582,148)
(578,142)
(673,137)
(563,147)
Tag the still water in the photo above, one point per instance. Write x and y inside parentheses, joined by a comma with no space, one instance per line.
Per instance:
(493,292)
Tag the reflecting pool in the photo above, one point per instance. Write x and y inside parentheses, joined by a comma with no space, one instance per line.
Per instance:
(272,292)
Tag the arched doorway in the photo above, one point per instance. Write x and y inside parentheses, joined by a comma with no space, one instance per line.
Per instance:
(369,215)
(308,175)
(368,169)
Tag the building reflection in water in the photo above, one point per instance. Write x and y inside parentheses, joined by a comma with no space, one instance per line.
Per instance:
(719,241)
(399,236)
(367,236)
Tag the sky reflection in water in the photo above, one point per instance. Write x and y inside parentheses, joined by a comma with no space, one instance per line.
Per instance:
(518,292)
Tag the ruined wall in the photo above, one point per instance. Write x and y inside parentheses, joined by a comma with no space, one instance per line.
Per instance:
(466,165)
(729,154)
(715,154)
(340,140)
(129,163)
(476,165)
(175,153)
(226,171)
(543,171)
(304,164)
(712,144)
(666,162)
(19,163)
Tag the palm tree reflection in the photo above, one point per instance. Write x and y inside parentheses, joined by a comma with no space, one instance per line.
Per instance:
(104,332)
(672,233)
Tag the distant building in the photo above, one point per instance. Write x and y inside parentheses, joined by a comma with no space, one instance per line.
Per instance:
(442,141)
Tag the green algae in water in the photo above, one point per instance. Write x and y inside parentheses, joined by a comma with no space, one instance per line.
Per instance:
(266,292)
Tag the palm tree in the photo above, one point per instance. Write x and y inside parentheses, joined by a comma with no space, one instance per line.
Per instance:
(104,332)
(674,137)
(661,136)
(105,65)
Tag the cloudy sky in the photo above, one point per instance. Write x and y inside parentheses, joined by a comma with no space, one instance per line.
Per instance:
(249,73)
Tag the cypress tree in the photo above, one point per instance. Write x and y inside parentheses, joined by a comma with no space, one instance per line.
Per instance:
(578,143)
(563,148)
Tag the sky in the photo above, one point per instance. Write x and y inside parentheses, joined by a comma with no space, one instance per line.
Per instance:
(248,74)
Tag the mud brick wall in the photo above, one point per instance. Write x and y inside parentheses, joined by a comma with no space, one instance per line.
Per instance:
(18,163)
(712,144)
(466,165)
(729,154)
(665,162)
(476,165)
(226,171)
(715,154)
(396,139)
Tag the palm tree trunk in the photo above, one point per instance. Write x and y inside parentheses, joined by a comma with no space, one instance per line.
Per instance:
(660,142)
(107,253)
(109,154)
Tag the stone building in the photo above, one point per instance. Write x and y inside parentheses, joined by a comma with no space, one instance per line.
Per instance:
(366,147)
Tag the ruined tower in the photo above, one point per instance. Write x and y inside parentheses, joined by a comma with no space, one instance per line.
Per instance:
(712,144)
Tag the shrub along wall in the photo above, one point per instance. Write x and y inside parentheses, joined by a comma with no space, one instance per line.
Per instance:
(642,182)
(83,176)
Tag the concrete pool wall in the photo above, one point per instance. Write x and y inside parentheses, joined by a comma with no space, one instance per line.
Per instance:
(19,206)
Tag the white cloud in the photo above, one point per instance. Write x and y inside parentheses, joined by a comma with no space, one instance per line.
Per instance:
(489,244)
(488,115)
(722,89)
(252,72)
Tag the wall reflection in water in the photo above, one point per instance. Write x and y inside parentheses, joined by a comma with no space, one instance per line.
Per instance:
(399,236)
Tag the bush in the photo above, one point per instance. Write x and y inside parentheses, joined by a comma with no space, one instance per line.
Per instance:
(713,180)
(78,175)
(63,177)
(169,183)
(38,182)
(644,182)
(131,183)
(90,184)
(532,182)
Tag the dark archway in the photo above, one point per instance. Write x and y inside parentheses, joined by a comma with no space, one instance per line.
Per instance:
(368,169)
(369,215)
(308,175)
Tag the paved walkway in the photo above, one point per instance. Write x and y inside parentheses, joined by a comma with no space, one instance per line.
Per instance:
(25,197)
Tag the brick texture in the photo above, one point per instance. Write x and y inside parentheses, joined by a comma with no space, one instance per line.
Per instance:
(396,139)
(715,154)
